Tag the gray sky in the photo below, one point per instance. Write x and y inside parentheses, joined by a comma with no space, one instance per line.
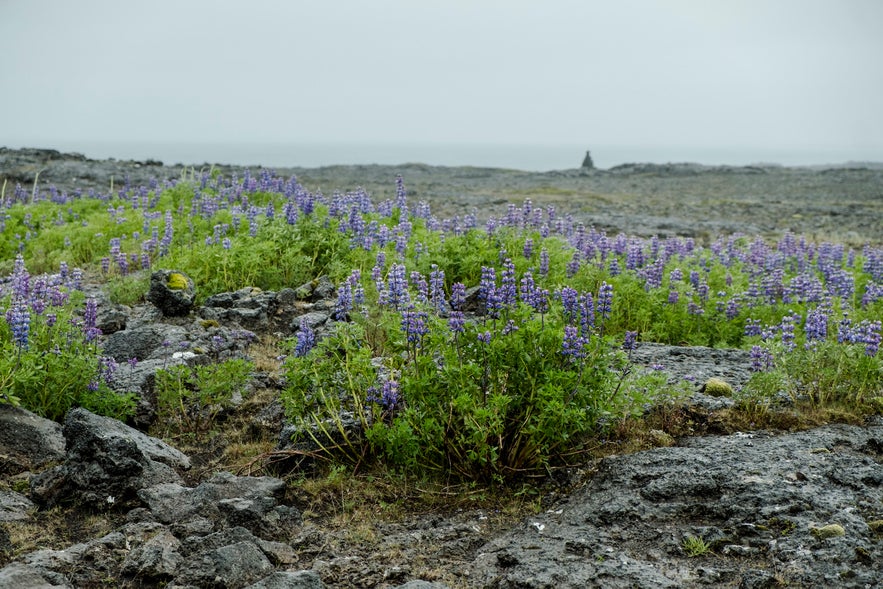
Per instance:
(734,73)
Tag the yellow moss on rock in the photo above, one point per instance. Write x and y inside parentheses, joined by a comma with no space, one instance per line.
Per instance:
(177,281)
(717,388)
(829,531)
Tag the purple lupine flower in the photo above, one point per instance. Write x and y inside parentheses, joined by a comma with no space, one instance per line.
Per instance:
(573,346)
(752,327)
(570,301)
(631,341)
(19,319)
(397,287)
(508,290)
(484,337)
(414,325)
(868,333)
(544,262)
(694,309)
(845,334)
(344,301)
(419,282)
(437,288)
(816,327)
(787,329)
(761,359)
(401,197)
(573,264)
(306,339)
(105,264)
(732,310)
(90,318)
(604,303)
(457,321)
(488,290)
(510,327)
(673,296)
(586,314)
(458,295)
(527,252)
(389,396)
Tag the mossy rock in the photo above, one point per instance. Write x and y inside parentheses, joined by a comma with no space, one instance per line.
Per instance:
(829,531)
(716,387)
(876,526)
(177,281)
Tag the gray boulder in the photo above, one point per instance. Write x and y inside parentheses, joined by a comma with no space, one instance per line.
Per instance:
(225,500)
(107,462)
(22,576)
(14,507)
(155,341)
(172,291)
(27,441)
(233,565)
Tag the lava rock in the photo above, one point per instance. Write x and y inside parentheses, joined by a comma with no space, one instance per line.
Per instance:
(173,292)
(27,441)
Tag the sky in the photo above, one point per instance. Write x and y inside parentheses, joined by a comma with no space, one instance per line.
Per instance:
(772,74)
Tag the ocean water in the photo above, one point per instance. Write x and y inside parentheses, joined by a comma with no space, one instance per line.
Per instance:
(520,157)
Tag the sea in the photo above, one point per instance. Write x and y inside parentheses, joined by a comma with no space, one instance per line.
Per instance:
(513,156)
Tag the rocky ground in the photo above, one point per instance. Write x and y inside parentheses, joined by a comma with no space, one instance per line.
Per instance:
(93,502)
(826,203)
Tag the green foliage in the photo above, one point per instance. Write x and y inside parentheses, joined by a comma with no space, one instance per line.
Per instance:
(190,398)
(500,410)
(695,546)
(59,370)
(829,374)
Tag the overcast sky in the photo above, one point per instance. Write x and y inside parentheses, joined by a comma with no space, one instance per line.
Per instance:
(729,73)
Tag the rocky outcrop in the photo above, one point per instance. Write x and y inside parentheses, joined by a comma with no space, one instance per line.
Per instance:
(755,502)
(28,442)
(172,291)
(107,463)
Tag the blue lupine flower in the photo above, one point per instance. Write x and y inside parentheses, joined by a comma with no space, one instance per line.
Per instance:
(306,339)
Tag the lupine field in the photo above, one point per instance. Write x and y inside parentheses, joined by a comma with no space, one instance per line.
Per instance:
(473,347)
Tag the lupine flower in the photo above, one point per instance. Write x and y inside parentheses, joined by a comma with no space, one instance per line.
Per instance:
(458,295)
(586,314)
(419,282)
(604,304)
(437,288)
(344,301)
(573,346)
(673,296)
(90,318)
(787,329)
(414,325)
(761,359)
(456,321)
(631,340)
(397,287)
(816,327)
(19,319)
(570,301)
(527,252)
(508,290)
(306,339)
(544,262)
(752,327)
(484,337)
